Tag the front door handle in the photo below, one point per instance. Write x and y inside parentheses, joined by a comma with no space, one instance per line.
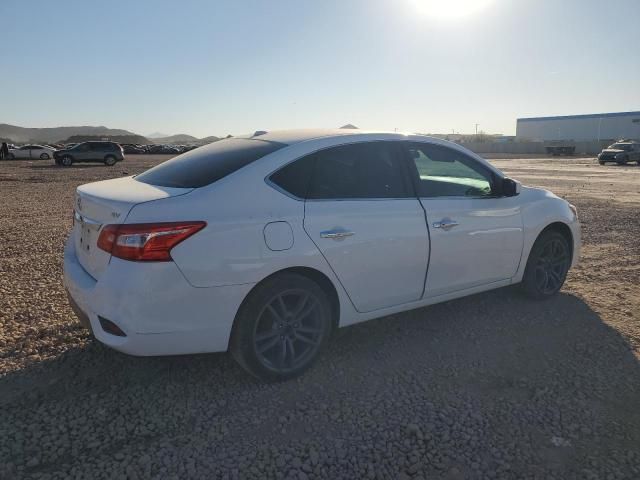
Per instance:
(336,234)
(445,224)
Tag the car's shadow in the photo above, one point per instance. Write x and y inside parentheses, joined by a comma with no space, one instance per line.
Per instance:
(543,382)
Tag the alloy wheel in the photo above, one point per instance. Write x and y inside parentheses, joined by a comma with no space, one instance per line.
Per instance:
(289,330)
(551,266)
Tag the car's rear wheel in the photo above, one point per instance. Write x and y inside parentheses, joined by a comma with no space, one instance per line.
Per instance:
(66,161)
(110,160)
(11,156)
(281,327)
(547,267)
(44,156)
(623,161)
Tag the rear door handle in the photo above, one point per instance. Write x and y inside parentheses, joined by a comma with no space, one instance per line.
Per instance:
(445,224)
(336,234)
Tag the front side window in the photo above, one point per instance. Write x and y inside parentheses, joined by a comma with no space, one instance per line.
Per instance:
(445,172)
(362,170)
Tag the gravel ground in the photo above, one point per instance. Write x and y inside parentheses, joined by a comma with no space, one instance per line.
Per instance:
(490,386)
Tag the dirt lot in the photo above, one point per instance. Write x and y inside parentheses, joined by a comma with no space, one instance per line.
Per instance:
(491,386)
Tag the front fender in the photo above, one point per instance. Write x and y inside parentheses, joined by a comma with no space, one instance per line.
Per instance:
(541,208)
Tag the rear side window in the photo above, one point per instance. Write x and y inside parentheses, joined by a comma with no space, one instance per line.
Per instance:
(208,164)
(361,170)
(295,177)
(103,146)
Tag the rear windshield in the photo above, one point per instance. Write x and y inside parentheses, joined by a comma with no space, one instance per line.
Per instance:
(208,164)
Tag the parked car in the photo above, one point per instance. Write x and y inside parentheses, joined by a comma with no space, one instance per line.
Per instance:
(108,153)
(162,149)
(621,153)
(264,245)
(132,149)
(31,152)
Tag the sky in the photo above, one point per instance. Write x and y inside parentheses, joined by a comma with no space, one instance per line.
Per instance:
(231,67)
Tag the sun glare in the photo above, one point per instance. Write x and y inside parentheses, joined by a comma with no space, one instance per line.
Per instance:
(450,8)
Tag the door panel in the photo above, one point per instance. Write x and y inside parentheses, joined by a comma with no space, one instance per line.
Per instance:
(23,153)
(379,249)
(484,247)
(476,232)
(82,152)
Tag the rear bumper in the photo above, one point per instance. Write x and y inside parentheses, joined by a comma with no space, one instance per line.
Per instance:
(157,309)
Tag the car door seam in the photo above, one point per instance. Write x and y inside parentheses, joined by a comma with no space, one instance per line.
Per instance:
(304,227)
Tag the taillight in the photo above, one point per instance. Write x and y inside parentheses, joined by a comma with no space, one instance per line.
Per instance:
(146,241)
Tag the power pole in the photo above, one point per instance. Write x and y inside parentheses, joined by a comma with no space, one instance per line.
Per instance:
(477,129)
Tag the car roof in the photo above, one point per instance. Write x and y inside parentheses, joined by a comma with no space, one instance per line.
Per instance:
(291,137)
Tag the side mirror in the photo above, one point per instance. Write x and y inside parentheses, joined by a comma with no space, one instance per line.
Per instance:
(510,187)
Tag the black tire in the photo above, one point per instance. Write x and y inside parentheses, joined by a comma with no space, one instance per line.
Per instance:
(601,163)
(66,161)
(110,160)
(11,156)
(547,266)
(281,327)
(623,161)
(57,161)
(44,156)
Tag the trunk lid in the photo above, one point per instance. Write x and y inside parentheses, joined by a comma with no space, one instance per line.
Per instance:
(108,202)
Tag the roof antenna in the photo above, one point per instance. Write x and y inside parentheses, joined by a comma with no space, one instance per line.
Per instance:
(260,132)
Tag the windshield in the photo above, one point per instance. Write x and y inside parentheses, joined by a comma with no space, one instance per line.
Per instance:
(208,164)
(621,146)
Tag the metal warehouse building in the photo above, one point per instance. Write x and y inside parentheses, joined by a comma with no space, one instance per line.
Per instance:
(596,127)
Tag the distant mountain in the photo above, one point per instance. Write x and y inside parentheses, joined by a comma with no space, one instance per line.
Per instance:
(134,139)
(156,135)
(14,134)
(348,126)
(55,134)
(210,139)
(177,139)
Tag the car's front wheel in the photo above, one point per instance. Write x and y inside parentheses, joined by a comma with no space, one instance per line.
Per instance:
(281,327)
(66,161)
(110,160)
(547,267)
(11,156)
(44,156)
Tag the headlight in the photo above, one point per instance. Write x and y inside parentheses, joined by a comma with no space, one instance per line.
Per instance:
(573,208)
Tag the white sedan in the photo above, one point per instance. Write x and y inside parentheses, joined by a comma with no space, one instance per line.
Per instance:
(31,152)
(263,245)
